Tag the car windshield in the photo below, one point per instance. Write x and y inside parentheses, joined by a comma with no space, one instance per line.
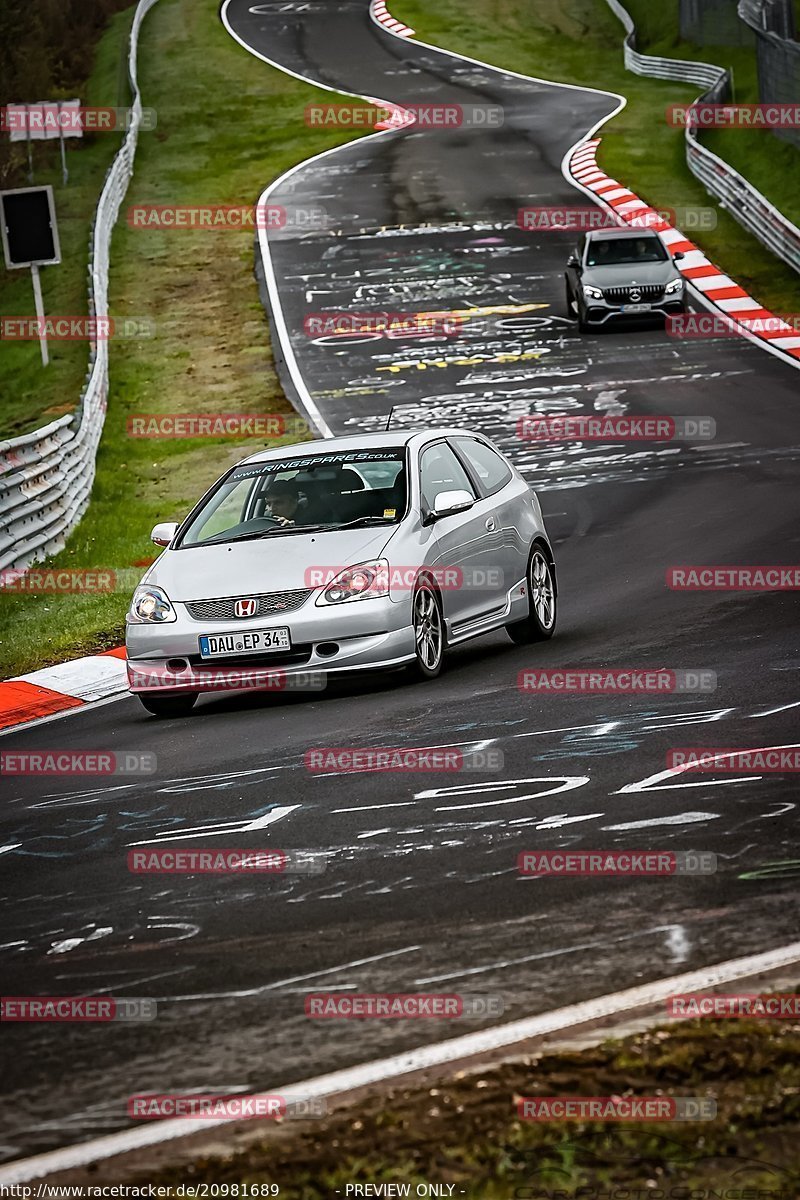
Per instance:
(294,495)
(614,252)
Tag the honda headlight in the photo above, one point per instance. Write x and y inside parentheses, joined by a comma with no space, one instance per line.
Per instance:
(592,293)
(362,582)
(675,285)
(150,606)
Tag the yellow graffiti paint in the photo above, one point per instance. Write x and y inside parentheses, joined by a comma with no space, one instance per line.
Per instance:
(475,360)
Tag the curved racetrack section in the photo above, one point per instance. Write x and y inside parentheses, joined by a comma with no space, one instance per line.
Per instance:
(421,891)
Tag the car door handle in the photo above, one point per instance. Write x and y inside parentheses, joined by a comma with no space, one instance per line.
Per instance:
(491,524)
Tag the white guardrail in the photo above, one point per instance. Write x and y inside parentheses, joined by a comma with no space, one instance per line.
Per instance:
(744,203)
(46,476)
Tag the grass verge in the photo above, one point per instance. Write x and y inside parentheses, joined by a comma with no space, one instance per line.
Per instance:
(464,1131)
(33,394)
(771,164)
(581,42)
(227,124)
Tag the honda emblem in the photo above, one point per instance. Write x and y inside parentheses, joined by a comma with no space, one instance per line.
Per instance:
(246,608)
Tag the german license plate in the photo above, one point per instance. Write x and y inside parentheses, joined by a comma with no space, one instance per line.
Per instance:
(254,641)
(636,308)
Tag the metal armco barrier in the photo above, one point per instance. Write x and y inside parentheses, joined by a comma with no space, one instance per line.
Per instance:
(744,202)
(46,476)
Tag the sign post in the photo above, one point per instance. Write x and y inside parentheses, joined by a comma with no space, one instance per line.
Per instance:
(37,299)
(30,239)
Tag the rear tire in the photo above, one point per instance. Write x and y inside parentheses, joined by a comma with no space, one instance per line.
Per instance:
(168,706)
(428,625)
(540,623)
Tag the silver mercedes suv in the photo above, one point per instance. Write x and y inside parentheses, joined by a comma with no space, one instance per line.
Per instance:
(622,274)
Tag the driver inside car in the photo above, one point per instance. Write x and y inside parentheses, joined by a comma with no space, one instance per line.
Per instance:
(283,501)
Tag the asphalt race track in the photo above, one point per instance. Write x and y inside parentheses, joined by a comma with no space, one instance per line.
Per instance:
(421,890)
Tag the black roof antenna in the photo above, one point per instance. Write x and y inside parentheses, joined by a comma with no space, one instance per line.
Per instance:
(389,419)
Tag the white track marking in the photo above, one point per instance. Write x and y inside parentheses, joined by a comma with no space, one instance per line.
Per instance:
(687,818)
(653,782)
(781,708)
(486,1041)
(281,983)
(220,829)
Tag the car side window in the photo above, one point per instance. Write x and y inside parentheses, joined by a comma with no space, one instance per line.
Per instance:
(440,471)
(492,472)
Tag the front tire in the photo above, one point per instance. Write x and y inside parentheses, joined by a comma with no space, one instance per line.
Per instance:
(168,706)
(428,624)
(540,623)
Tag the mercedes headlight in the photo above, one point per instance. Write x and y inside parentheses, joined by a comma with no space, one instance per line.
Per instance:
(675,285)
(150,606)
(592,293)
(362,582)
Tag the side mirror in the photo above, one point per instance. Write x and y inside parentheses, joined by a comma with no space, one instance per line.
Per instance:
(163,534)
(447,503)
(572,261)
(677,256)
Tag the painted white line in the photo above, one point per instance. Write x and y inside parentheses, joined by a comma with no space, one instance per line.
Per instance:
(281,984)
(439,1054)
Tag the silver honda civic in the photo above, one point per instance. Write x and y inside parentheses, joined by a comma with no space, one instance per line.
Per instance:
(363,552)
